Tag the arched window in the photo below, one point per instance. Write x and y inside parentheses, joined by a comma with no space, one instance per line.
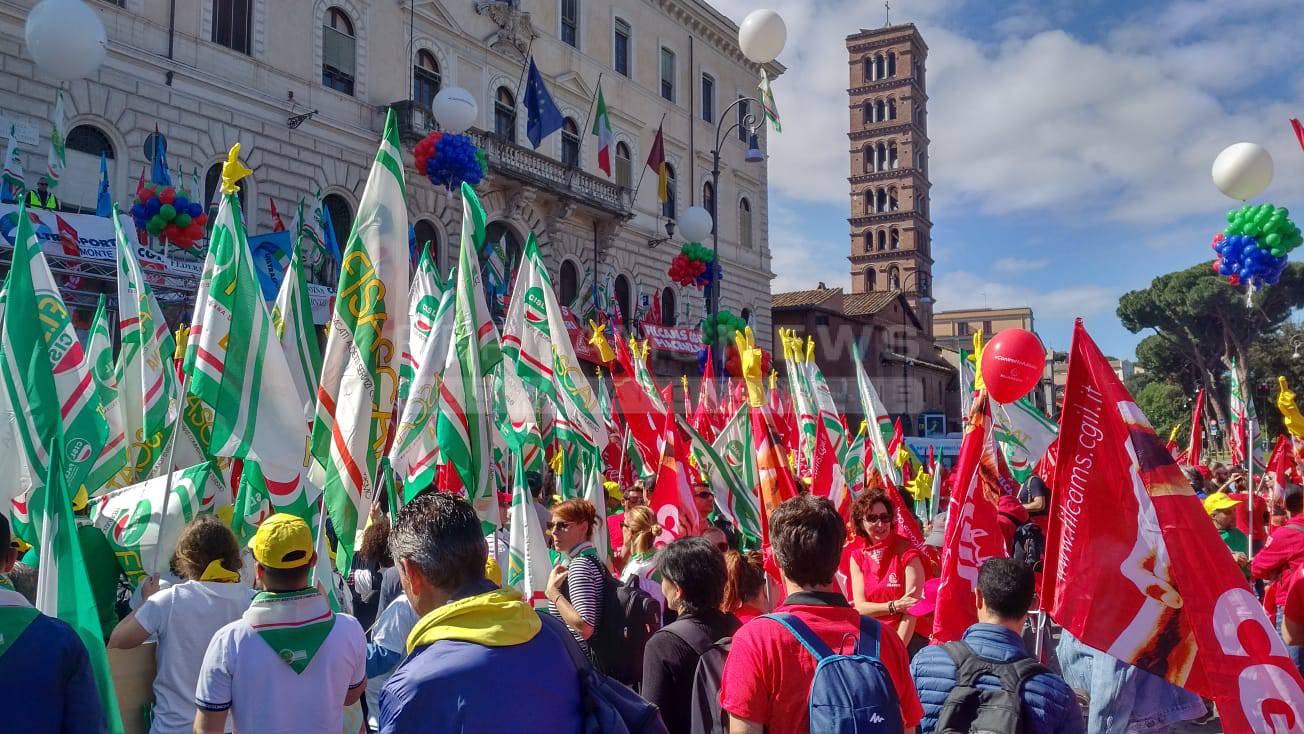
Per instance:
(341,215)
(867,154)
(624,169)
(868,244)
(708,202)
(505,115)
(570,283)
(891,109)
(882,201)
(232,24)
(868,69)
(894,278)
(867,112)
(623,297)
(570,143)
(668,315)
(872,276)
(891,64)
(211,179)
(746,315)
(668,207)
(79,186)
(882,240)
(745,223)
(892,162)
(339,47)
(570,22)
(892,199)
(880,111)
(869,201)
(880,67)
(880,160)
(425,78)
(896,239)
(428,241)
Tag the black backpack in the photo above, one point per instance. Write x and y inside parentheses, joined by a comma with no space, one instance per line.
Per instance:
(1029,546)
(627,617)
(971,709)
(707,715)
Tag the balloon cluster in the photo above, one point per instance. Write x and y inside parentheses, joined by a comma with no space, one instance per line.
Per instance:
(695,265)
(1252,250)
(448,160)
(164,212)
(723,325)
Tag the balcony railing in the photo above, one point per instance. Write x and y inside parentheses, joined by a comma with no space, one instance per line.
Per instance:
(525,165)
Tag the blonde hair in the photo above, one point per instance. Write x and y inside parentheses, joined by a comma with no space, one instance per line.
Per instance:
(643,529)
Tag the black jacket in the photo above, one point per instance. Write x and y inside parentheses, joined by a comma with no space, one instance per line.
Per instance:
(669,663)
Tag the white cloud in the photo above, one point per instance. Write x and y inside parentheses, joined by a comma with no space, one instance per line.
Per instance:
(799,261)
(1014,265)
(961,289)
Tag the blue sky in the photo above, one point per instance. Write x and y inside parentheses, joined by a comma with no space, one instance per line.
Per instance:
(1071,142)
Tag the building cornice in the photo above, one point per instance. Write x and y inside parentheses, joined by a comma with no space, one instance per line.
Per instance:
(866,220)
(893,175)
(888,130)
(707,23)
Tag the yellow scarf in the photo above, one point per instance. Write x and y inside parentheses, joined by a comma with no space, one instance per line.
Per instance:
(498,618)
(217,572)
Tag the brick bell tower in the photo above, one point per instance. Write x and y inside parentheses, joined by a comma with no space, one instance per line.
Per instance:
(891,243)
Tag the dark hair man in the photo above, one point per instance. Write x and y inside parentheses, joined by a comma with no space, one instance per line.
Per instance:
(1005,592)
(474,641)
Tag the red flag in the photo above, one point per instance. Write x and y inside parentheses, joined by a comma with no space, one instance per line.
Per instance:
(643,419)
(773,476)
(277,224)
(1282,466)
(140,184)
(829,480)
(898,440)
(1197,431)
(1141,572)
(668,397)
(708,419)
(672,496)
(1299,131)
(973,533)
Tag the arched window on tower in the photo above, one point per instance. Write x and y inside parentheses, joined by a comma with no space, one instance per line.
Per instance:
(880,111)
(867,153)
(867,112)
(893,162)
(745,223)
(868,244)
(891,64)
(882,240)
(880,162)
(892,199)
(505,115)
(880,67)
(891,109)
(881,205)
(896,238)
(869,201)
(871,279)
(868,69)
(894,278)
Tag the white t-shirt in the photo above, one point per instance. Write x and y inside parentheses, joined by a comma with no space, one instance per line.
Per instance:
(184,618)
(644,569)
(242,673)
(390,632)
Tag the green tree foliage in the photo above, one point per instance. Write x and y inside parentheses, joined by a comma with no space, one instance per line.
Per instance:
(1167,406)
(1272,356)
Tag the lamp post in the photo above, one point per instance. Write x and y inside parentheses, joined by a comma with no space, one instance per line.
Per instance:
(924,300)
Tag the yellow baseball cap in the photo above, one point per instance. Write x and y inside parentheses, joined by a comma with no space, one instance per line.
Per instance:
(80,500)
(1219,501)
(282,541)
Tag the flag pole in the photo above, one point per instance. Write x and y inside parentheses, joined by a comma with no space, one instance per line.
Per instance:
(172,451)
(637,186)
(1249,490)
(593,101)
(525,66)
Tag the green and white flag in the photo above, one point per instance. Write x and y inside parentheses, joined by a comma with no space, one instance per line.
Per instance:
(63,589)
(368,336)
(12,178)
(595,493)
(46,372)
(465,418)
(826,409)
(148,389)
(424,301)
(730,462)
(767,101)
(110,470)
(643,376)
(515,417)
(57,159)
(853,462)
(132,518)
(15,482)
(414,455)
(536,342)
(309,242)
(1023,433)
(292,320)
(235,364)
(877,420)
(528,563)
(803,402)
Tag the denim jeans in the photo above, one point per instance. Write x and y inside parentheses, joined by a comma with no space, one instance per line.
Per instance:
(1124,698)
(1296,652)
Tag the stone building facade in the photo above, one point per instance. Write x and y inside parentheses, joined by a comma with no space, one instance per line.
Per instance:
(304,86)
(891,242)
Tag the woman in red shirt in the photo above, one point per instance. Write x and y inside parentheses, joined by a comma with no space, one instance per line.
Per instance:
(887,574)
(745,585)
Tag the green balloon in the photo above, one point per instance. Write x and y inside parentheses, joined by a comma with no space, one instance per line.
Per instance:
(168,212)
(154,226)
(182,220)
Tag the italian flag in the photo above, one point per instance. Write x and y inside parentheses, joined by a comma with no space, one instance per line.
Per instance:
(368,336)
(292,320)
(602,128)
(465,421)
(108,472)
(148,390)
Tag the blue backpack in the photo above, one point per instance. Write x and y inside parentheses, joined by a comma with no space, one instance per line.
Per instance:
(850,694)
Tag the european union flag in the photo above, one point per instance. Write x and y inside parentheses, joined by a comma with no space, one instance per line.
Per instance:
(542,116)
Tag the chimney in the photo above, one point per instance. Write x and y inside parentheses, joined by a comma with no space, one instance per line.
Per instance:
(822,286)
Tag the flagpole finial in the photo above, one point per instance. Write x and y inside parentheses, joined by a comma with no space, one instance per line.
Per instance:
(233,170)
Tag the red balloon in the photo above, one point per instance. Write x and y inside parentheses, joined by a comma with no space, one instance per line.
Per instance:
(195,231)
(168,195)
(1012,364)
(201,220)
(1234,279)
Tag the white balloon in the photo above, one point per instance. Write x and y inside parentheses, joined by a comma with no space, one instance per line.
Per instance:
(762,36)
(695,224)
(66,39)
(454,109)
(1242,170)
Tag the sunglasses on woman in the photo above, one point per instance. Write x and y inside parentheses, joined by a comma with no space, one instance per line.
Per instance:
(884,517)
(558,525)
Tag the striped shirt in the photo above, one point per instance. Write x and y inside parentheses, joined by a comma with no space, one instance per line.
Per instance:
(583,588)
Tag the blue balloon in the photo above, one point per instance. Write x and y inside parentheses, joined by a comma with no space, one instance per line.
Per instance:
(195,209)
(152,206)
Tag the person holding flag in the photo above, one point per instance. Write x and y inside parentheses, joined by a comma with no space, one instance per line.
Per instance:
(50,684)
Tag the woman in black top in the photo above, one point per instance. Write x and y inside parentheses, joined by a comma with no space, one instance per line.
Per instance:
(692,577)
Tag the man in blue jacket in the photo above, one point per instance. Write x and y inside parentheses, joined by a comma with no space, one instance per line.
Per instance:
(1005,592)
(474,643)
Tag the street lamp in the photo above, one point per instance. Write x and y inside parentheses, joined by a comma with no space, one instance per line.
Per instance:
(1295,342)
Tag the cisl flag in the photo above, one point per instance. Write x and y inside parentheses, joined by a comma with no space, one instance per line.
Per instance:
(1135,568)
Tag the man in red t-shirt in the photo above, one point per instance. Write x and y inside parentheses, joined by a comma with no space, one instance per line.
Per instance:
(767,676)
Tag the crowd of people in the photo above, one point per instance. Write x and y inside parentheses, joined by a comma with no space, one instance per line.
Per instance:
(826,630)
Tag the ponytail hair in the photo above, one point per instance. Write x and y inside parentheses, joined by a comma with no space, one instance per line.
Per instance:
(744,578)
(643,529)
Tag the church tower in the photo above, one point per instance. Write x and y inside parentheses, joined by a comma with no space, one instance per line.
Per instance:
(891,244)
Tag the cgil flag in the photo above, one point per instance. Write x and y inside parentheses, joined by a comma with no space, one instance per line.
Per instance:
(465,417)
(672,495)
(368,335)
(602,129)
(1135,569)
